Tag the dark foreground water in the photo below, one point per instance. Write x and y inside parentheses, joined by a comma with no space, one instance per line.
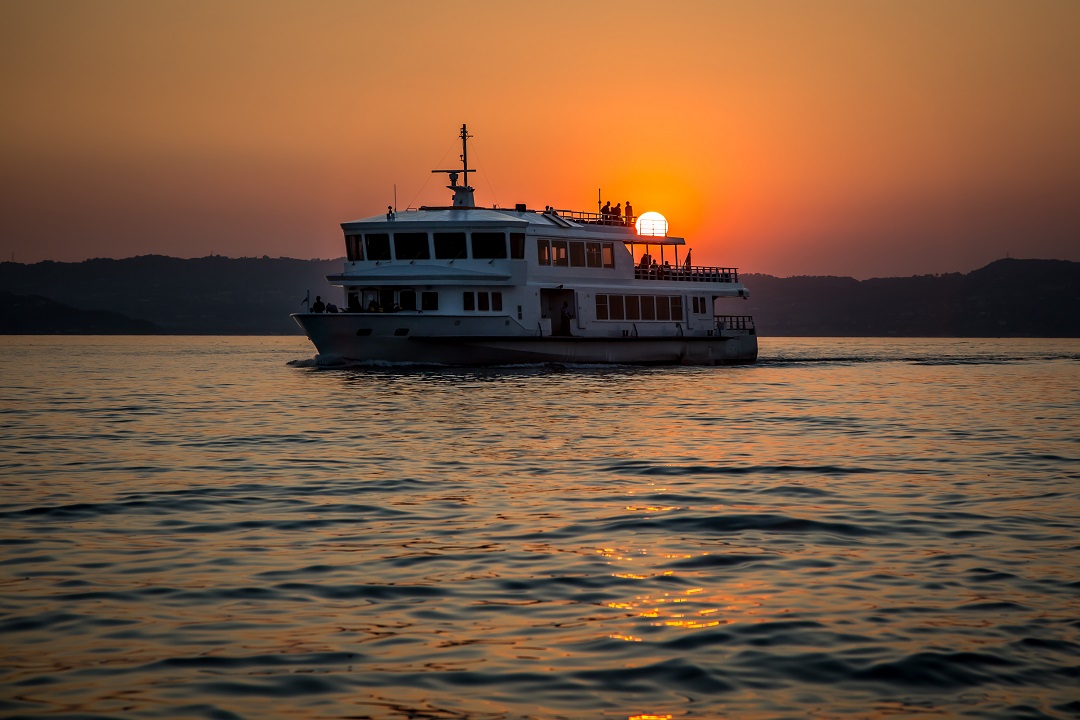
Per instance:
(191,527)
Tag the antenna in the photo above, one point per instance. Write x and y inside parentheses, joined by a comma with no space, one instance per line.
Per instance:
(463,196)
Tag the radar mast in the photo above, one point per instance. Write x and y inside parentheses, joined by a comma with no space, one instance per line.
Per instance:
(463,194)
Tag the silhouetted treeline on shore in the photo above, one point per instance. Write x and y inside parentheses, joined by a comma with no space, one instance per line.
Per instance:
(254,296)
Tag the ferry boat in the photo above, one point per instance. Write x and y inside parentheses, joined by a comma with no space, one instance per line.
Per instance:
(467,285)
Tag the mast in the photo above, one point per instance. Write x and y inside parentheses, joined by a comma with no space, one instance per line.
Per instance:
(463,194)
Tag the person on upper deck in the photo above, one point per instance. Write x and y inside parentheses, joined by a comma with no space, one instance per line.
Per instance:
(318,305)
(617,213)
(629,213)
(606,211)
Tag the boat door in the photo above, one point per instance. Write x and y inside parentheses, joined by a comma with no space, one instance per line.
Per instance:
(551,303)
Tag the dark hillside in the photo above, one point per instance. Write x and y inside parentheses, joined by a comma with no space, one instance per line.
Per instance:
(34,315)
(1007,298)
(211,295)
(254,296)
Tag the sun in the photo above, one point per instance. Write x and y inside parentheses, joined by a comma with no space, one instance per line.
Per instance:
(652,224)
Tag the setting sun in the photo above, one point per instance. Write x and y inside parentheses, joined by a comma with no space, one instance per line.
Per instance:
(653,224)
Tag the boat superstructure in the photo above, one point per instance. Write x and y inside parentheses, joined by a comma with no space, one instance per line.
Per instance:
(465,285)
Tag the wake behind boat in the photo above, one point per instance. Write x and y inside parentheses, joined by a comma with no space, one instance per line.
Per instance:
(465,285)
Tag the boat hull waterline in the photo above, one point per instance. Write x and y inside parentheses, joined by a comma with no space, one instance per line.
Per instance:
(335,337)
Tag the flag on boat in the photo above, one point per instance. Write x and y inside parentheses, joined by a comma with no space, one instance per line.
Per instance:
(688,256)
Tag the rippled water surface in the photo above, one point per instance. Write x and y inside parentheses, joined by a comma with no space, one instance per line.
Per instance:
(193,527)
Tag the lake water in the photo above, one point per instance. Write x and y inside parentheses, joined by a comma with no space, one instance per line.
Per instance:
(852,528)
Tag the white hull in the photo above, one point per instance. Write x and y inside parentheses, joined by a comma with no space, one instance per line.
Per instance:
(335,335)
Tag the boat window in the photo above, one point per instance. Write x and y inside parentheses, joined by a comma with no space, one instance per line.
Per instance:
(543,251)
(601,307)
(411,246)
(377,246)
(517,246)
(663,309)
(592,254)
(450,245)
(608,253)
(648,307)
(468,301)
(633,308)
(370,300)
(353,249)
(577,254)
(488,245)
(615,307)
(496,301)
(386,299)
(429,300)
(676,307)
(558,253)
(482,302)
(407,299)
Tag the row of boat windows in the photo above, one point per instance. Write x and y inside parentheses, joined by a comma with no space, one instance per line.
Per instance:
(575,253)
(388,300)
(639,307)
(440,245)
(482,301)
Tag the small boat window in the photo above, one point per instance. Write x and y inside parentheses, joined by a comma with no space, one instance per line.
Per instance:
(543,251)
(496,301)
(411,246)
(633,308)
(592,254)
(468,301)
(648,307)
(517,246)
(676,307)
(558,253)
(450,245)
(377,246)
(407,299)
(353,249)
(608,252)
(386,299)
(429,300)
(601,307)
(482,302)
(488,245)
(615,307)
(577,254)
(663,308)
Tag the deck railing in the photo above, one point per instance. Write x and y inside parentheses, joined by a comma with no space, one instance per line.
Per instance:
(595,218)
(694,273)
(734,322)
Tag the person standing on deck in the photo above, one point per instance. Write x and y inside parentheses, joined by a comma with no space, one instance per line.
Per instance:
(566,315)
(629,213)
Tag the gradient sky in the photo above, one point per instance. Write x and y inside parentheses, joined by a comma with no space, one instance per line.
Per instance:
(854,138)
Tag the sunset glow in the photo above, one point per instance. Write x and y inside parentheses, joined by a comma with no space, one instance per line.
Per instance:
(822,138)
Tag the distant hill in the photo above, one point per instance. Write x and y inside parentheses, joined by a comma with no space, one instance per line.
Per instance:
(34,315)
(1007,298)
(254,296)
(211,295)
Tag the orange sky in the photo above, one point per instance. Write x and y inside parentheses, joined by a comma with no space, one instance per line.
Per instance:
(853,138)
